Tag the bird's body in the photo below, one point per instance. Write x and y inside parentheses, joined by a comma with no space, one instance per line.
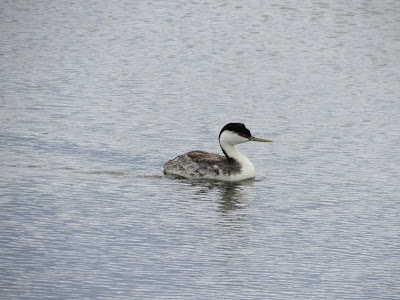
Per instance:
(204,165)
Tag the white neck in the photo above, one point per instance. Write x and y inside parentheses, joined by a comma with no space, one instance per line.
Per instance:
(228,140)
(231,152)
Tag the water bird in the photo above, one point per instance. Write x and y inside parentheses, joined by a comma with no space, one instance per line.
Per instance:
(234,166)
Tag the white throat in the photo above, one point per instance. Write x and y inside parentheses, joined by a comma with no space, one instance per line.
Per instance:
(228,140)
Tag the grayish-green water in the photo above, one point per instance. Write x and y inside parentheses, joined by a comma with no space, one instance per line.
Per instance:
(97,95)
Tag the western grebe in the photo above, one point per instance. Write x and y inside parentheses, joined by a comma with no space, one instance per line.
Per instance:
(204,165)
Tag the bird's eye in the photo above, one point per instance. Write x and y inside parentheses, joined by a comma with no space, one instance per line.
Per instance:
(244,134)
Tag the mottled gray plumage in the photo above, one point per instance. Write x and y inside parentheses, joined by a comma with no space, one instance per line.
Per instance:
(202,164)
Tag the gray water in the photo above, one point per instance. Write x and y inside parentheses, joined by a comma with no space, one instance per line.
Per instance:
(97,95)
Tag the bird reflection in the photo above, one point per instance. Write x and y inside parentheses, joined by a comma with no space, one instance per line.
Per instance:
(232,195)
(233,200)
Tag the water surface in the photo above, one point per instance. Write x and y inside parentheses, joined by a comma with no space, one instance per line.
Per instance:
(96,96)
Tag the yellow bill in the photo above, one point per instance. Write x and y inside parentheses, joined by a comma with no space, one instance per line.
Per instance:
(259,140)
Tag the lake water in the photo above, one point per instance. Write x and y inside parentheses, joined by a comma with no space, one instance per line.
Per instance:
(97,95)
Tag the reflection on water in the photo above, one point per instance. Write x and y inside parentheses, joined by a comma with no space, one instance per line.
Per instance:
(234,196)
(231,195)
(233,208)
